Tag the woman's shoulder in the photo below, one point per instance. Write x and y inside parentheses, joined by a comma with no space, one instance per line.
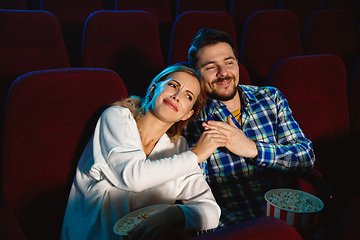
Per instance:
(117,111)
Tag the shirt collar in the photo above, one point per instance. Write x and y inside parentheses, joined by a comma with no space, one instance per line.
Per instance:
(245,97)
(246,94)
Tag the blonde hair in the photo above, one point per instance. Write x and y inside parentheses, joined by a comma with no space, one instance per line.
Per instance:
(139,106)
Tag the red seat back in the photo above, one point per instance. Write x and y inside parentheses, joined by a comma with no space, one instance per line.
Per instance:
(33,41)
(244,75)
(189,23)
(71,11)
(302,8)
(160,9)
(30,41)
(315,87)
(332,32)
(50,115)
(126,42)
(200,5)
(269,36)
(72,15)
(240,10)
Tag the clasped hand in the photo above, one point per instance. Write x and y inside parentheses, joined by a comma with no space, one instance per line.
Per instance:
(237,142)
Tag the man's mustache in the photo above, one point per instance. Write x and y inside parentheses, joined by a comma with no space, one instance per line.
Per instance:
(221,79)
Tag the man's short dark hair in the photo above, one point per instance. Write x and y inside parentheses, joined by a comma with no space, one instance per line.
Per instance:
(206,37)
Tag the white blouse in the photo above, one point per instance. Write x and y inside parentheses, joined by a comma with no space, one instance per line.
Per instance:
(114,177)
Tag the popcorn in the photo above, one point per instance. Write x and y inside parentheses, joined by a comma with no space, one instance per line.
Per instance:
(133,221)
(293,201)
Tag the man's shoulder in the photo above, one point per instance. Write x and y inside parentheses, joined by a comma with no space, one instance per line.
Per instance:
(258,92)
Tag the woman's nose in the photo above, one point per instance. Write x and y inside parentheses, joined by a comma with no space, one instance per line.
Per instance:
(175,96)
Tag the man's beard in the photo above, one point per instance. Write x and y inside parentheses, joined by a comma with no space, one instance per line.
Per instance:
(223,97)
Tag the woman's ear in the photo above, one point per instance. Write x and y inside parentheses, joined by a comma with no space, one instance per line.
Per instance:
(188,115)
(152,92)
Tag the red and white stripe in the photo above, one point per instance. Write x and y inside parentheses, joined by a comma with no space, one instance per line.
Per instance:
(295,219)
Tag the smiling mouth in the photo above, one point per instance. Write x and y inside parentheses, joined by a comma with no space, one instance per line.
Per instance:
(171,105)
(223,81)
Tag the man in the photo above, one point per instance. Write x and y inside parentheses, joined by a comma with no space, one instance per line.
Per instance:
(265,142)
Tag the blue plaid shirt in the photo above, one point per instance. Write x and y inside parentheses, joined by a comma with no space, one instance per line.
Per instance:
(238,184)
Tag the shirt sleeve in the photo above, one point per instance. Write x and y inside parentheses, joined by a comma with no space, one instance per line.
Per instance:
(292,152)
(120,158)
(193,130)
(199,206)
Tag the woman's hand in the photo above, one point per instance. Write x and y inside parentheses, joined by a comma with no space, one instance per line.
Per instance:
(209,141)
(160,225)
(238,143)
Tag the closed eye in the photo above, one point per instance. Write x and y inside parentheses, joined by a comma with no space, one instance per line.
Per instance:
(210,67)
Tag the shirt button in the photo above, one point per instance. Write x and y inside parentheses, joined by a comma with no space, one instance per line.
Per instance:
(264,165)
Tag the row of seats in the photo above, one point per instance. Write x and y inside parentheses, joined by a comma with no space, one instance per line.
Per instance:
(73,14)
(268,36)
(135,51)
(170,9)
(338,29)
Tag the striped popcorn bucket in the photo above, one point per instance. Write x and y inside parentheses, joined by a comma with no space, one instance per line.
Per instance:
(304,222)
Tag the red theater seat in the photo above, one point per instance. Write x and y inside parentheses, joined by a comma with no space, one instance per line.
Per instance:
(244,75)
(200,5)
(302,8)
(315,87)
(268,228)
(332,32)
(160,9)
(33,41)
(189,23)
(50,115)
(126,42)
(240,10)
(30,40)
(70,12)
(269,36)
(72,15)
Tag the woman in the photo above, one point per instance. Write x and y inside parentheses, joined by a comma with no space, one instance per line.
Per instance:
(136,158)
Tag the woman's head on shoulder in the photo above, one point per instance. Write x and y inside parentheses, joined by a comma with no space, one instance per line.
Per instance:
(175,94)
(176,78)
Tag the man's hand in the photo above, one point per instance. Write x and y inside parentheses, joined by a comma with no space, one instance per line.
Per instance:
(238,143)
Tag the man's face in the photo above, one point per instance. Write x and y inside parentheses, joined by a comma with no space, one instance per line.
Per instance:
(219,69)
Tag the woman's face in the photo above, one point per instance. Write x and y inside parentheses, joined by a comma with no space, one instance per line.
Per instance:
(174,97)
